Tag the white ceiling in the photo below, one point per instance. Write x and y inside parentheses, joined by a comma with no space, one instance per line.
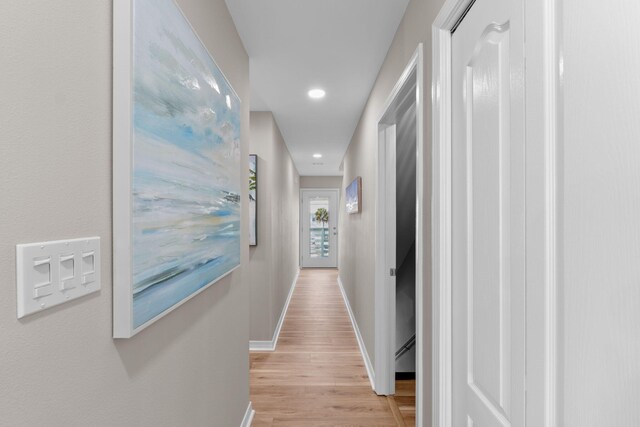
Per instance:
(296,45)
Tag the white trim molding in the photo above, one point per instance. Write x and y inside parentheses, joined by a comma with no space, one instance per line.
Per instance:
(449,15)
(248,416)
(266,345)
(545,76)
(554,97)
(363,349)
(271,344)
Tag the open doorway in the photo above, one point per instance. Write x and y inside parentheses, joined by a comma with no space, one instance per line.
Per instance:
(405,172)
(399,238)
(405,328)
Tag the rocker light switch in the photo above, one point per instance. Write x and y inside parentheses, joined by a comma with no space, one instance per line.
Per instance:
(51,273)
(41,271)
(88,262)
(88,267)
(67,272)
(67,267)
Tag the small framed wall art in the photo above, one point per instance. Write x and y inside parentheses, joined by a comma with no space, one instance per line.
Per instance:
(253,200)
(354,196)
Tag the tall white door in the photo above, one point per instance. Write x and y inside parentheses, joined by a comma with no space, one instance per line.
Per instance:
(488,216)
(319,228)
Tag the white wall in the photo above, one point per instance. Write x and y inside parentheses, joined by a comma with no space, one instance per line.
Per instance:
(357,239)
(273,263)
(61,367)
(600,215)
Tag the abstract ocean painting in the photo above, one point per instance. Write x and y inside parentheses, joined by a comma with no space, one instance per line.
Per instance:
(186,178)
(353,196)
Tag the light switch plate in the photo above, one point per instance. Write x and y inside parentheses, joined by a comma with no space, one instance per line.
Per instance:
(52,273)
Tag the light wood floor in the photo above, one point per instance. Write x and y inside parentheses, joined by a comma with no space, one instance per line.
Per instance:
(316,376)
(405,401)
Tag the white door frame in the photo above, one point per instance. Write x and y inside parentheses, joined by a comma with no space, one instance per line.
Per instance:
(303,215)
(385,296)
(543,99)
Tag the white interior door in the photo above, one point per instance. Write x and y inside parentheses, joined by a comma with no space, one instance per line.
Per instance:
(390,252)
(488,216)
(319,230)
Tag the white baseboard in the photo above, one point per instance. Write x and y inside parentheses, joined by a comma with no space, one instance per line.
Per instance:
(248,416)
(271,345)
(363,348)
(262,345)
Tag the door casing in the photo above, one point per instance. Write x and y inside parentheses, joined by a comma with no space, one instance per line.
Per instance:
(384,381)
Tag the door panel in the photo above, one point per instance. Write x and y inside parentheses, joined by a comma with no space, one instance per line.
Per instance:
(488,217)
(319,219)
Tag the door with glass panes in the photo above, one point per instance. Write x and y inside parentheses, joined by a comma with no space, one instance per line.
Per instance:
(319,228)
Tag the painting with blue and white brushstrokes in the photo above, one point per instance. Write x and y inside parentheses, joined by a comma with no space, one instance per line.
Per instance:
(186,163)
(353,196)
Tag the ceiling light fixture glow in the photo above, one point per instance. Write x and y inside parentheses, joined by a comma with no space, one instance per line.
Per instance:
(317,156)
(316,93)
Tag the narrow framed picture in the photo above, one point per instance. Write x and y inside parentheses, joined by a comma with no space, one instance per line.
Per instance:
(177,169)
(354,196)
(253,200)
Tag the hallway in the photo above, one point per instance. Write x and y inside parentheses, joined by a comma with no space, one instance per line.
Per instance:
(316,376)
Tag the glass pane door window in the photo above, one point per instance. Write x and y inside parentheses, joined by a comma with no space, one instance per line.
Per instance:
(319,211)
(319,228)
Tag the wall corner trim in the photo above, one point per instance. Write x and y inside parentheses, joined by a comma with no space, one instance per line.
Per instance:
(363,348)
(271,344)
(248,416)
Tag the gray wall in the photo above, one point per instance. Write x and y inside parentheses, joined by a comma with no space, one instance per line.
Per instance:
(357,241)
(61,367)
(600,216)
(273,263)
(321,182)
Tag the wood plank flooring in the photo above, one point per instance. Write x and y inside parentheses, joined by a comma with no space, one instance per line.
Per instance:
(405,401)
(316,376)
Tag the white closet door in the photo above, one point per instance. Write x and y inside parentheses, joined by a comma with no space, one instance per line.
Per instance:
(488,216)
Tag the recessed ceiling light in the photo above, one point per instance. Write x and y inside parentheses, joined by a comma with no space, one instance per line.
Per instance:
(317,156)
(316,93)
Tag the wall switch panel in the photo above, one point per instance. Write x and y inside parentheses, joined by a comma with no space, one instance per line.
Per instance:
(52,273)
